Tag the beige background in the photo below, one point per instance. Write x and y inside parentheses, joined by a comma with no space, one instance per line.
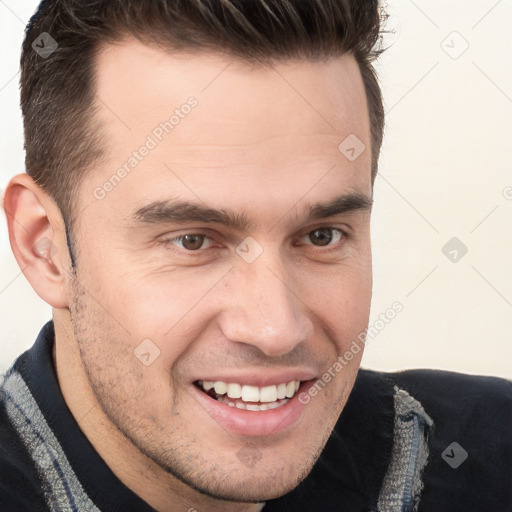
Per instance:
(445,172)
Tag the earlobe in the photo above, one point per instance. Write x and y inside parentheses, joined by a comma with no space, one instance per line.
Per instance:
(37,238)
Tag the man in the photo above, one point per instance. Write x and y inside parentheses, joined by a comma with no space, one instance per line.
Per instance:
(196,210)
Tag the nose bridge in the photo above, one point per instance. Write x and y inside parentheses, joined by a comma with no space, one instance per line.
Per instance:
(264,311)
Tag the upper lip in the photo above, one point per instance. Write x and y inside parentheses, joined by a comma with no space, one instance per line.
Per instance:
(260,379)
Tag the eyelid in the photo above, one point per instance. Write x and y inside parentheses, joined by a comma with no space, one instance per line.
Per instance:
(344,235)
(172,239)
(169,241)
(331,228)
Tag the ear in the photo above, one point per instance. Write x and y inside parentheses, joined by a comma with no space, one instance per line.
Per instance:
(38,238)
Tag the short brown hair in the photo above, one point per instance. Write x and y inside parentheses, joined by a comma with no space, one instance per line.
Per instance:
(62,137)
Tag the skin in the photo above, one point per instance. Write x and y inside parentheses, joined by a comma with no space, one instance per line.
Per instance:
(253,145)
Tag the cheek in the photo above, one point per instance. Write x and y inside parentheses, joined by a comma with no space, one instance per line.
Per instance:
(165,301)
(126,372)
(149,301)
(340,297)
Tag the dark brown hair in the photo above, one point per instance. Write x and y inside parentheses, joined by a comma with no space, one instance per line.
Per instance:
(62,136)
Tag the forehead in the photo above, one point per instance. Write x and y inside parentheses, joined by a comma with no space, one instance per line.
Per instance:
(152,79)
(249,125)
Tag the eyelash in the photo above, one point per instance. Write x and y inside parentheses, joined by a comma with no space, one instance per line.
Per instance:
(168,242)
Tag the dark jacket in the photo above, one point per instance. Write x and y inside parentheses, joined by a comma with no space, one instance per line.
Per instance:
(412,441)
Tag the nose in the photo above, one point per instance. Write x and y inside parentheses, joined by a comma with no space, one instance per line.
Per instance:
(264,310)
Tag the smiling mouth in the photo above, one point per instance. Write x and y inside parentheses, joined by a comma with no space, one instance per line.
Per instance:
(250,398)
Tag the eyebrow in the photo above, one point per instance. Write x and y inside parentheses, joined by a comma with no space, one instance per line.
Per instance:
(183,211)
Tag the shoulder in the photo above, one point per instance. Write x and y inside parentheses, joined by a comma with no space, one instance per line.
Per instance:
(20,486)
(471,409)
(470,446)
(447,392)
(460,405)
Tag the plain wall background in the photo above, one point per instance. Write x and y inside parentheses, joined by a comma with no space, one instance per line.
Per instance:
(445,172)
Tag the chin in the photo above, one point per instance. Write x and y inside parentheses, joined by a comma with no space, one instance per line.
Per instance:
(250,489)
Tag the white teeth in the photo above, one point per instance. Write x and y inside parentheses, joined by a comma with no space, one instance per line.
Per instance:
(234,390)
(221,388)
(252,407)
(250,394)
(290,389)
(266,394)
(207,385)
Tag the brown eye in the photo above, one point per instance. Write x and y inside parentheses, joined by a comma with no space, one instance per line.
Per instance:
(191,242)
(322,236)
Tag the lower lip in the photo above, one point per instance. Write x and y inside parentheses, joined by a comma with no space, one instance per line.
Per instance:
(252,423)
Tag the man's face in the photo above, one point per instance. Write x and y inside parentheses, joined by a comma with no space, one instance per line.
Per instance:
(274,299)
